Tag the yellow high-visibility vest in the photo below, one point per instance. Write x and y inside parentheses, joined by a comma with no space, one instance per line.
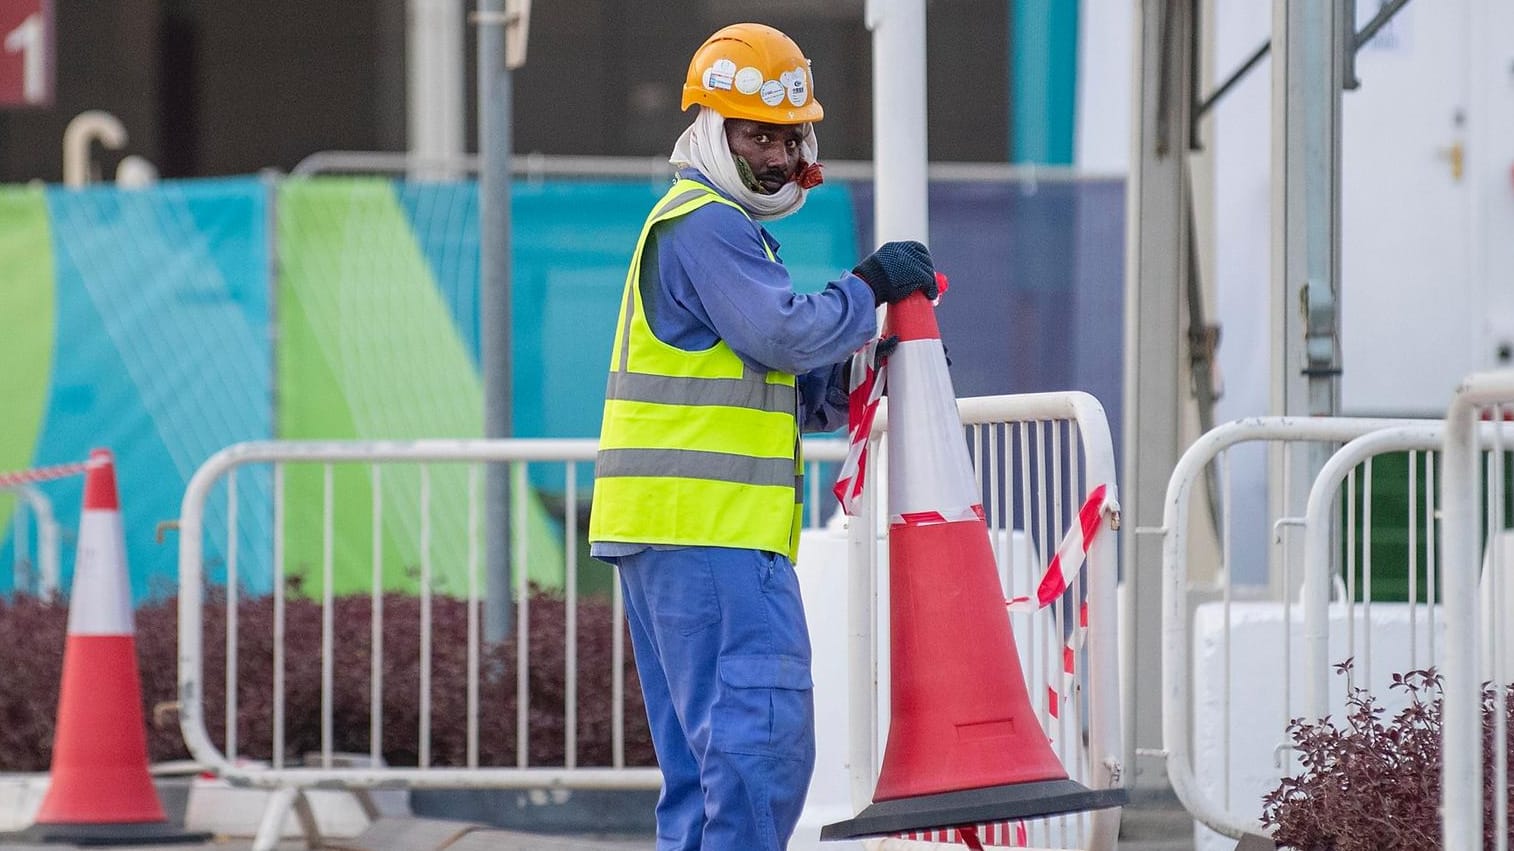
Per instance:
(696,448)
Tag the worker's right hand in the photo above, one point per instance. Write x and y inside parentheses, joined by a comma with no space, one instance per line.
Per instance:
(897,269)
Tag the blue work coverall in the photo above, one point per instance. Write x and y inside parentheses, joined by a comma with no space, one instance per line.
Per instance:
(719,635)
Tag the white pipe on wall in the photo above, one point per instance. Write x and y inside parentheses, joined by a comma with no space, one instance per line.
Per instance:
(87,127)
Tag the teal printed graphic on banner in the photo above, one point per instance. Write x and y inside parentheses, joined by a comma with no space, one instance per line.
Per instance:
(144,321)
(162,353)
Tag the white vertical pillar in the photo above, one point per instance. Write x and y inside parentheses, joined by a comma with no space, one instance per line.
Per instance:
(899,117)
(1156,275)
(434,72)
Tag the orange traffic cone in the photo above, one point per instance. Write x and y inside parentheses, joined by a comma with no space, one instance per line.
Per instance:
(964,746)
(100,791)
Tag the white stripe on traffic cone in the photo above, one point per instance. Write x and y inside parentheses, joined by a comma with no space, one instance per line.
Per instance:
(939,479)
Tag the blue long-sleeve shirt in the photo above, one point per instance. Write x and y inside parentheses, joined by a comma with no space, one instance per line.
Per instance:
(706,277)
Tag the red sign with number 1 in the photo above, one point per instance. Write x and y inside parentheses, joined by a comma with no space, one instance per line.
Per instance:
(26,53)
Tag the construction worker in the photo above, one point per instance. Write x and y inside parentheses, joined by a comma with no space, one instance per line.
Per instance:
(717,367)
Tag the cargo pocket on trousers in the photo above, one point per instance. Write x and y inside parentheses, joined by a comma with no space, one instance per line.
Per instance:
(766,706)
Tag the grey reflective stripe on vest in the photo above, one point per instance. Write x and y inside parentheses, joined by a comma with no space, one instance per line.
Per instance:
(755,394)
(798,488)
(625,333)
(679,200)
(695,464)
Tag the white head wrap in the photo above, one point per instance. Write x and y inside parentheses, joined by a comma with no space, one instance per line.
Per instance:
(704,146)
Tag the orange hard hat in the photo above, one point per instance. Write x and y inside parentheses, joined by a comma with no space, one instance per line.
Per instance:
(755,72)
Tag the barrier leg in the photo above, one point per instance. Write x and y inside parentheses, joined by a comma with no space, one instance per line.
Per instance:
(271,828)
(306,815)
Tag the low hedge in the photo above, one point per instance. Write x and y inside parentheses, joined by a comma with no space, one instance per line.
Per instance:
(33,635)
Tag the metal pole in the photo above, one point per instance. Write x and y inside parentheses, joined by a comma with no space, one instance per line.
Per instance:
(899,143)
(1309,38)
(494,145)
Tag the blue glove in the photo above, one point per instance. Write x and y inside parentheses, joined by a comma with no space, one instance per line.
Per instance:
(897,269)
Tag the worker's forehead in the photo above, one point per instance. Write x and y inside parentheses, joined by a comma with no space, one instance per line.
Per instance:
(743,125)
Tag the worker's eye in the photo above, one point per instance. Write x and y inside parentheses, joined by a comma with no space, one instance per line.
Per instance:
(792,144)
(760,138)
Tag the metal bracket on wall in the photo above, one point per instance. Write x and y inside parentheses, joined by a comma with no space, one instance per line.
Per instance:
(1318,303)
(516,19)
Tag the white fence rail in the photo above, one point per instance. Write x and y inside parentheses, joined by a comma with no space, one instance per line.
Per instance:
(1390,617)
(34,562)
(328,770)
(1218,772)
(1037,457)
(1465,510)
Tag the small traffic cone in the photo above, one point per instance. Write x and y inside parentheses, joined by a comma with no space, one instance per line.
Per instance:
(964,745)
(100,791)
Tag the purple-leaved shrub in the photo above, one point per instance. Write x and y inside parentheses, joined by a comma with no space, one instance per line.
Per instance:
(1374,783)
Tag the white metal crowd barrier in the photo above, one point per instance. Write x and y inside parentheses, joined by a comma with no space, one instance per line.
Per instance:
(34,566)
(290,781)
(1490,396)
(1350,470)
(1037,455)
(1207,763)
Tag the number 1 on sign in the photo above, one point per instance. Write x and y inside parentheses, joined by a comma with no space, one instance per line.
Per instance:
(26,40)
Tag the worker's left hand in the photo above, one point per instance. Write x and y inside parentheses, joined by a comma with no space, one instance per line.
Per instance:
(897,269)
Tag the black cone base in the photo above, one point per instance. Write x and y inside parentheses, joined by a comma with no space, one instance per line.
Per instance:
(987,805)
(131,833)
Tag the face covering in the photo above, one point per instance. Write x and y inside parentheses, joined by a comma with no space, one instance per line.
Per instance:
(703,146)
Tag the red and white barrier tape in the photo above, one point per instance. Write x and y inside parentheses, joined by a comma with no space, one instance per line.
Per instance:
(866,388)
(1063,569)
(1070,648)
(997,834)
(1071,553)
(42,474)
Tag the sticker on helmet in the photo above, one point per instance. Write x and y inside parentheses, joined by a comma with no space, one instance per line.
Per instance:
(748,80)
(720,75)
(795,85)
(772,92)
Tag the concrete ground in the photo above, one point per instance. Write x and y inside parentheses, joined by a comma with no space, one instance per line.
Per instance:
(1152,822)
(486,840)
